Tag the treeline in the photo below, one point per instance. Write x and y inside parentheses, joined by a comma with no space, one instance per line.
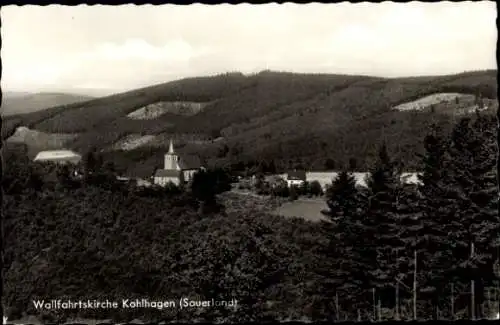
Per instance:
(429,250)
(278,187)
(281,189)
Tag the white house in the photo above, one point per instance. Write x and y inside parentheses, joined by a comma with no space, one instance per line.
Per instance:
(325,178)
(176,170)
(296,178)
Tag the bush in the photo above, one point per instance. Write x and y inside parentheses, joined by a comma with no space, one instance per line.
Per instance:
(172,188)
(315,188)
(280,190)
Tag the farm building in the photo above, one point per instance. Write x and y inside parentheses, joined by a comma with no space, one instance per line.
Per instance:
(326,178)
(58,156)
(296,178)
(177,170)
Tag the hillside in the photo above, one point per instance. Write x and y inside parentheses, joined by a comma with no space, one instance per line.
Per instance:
(293,119)
(21,103)
(38,141)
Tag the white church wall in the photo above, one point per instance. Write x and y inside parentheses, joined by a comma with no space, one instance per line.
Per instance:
(188,174)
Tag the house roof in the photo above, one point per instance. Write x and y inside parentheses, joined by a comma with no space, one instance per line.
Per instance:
(167,173)
(297,175)
(58,155)
(189,162)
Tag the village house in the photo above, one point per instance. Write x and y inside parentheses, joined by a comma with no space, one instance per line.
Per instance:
(296,178)
(177,170)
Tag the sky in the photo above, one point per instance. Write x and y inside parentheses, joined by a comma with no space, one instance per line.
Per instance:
(117,48)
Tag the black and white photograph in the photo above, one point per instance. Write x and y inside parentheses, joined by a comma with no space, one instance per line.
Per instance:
(250,163)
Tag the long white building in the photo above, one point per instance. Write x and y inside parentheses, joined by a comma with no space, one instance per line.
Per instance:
(58,156)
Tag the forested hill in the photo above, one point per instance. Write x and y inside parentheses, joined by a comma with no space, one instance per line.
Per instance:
(291,119)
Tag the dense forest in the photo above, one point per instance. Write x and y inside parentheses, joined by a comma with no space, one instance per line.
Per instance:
(389,251)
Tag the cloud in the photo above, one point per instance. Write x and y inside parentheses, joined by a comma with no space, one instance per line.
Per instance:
(135,61)
(131,46)
(173,51)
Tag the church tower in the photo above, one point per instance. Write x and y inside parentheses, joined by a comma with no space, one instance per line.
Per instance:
(171,159)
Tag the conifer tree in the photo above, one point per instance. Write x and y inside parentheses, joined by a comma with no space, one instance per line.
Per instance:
(342,197)
(473,172)
(346,250)
(435,223)
(484,195)
(382,223)
(409,223)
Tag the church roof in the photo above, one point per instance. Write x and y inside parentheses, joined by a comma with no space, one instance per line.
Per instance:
(167,173)
(190,162)
(171,147)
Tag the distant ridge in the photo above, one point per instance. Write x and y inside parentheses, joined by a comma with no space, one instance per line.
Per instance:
(22,103)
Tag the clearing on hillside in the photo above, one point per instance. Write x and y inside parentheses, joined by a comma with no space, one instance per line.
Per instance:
(433,99)
(132,141)
(155,110)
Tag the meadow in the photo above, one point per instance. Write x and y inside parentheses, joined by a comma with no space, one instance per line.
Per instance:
(307,209)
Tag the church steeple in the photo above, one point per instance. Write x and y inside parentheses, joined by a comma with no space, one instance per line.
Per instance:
(171,158)
(171,147)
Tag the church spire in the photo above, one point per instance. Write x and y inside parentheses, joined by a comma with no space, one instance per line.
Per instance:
(171,147)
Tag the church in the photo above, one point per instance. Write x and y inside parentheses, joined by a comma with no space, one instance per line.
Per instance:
(176,170)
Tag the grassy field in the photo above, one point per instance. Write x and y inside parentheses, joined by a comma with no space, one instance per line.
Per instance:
(308,209)
(304,208)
